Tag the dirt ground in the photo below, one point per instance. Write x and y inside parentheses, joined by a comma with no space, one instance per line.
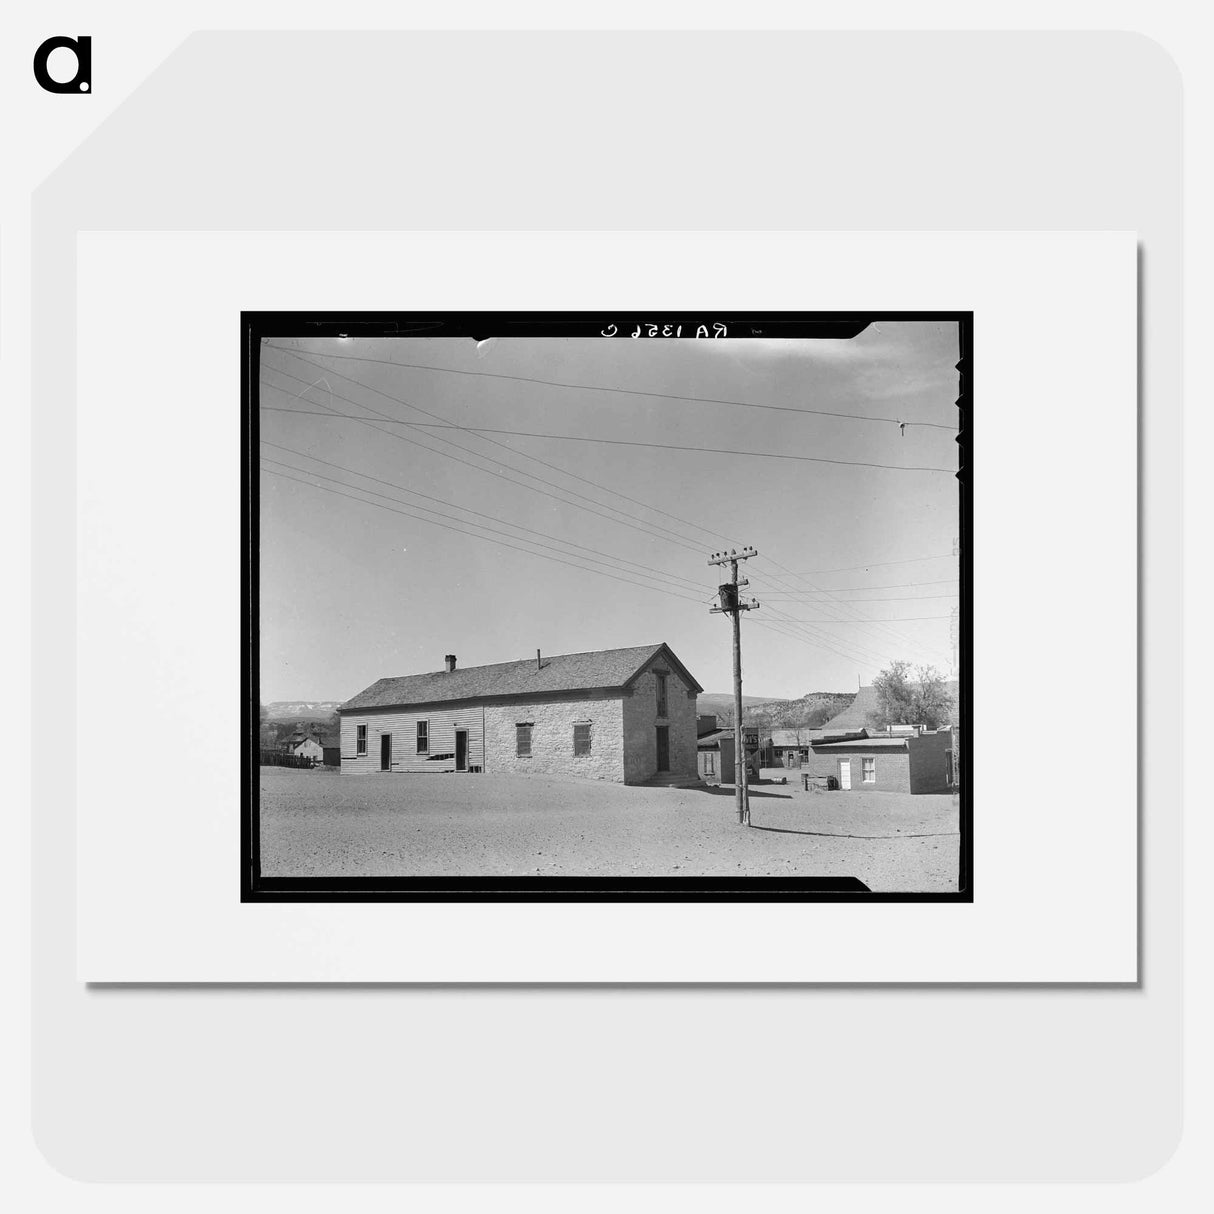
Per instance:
(321,823)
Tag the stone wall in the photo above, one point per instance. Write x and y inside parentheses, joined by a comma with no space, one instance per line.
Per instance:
(641,720)
(552,725)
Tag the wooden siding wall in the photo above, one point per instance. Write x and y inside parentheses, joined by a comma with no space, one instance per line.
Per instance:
(403,728)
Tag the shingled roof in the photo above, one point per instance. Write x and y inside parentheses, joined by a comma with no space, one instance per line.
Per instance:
(609,669)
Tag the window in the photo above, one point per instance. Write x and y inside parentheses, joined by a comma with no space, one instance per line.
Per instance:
(710,763)
(423,737)
(869,775)
(360,746)
(581,739)
(522,741)
(661,695)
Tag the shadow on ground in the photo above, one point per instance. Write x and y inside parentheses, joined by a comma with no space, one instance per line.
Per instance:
(727,790)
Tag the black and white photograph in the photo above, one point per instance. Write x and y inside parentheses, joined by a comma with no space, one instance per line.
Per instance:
(610,606)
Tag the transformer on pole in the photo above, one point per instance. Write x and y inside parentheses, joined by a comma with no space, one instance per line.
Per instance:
(730,604)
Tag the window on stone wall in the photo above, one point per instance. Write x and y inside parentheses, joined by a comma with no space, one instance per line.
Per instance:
(360,743)
(522,741)
(423,737)
(869,770)
(661,678)
(581,739)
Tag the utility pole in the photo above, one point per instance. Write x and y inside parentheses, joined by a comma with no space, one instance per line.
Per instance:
(954,628)
(730,604)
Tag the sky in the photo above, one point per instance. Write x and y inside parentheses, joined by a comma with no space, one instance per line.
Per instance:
(425,541)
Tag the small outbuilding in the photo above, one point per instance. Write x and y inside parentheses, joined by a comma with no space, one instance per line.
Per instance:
(715,758)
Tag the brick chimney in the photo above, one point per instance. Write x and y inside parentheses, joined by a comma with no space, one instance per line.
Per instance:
(450,660)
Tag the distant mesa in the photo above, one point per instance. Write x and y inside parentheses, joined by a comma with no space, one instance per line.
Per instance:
(281,710)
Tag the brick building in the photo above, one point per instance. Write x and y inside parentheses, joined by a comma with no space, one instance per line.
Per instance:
(626,715)
(916,762)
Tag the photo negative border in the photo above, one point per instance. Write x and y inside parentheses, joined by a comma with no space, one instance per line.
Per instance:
(479,326)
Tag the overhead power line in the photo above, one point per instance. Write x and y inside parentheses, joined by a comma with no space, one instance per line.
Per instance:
(699,400)
(530,551)
(910,560)
(481,536)
(684,582)
(652,530)
(891,586)
(852,652)
(805,634)
(885,598)
(902,619)
(624,442)
(577,476)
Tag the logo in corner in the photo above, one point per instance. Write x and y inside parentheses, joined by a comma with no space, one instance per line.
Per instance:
(82,81)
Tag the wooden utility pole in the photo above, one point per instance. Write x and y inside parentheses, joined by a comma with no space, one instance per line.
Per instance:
(730,604)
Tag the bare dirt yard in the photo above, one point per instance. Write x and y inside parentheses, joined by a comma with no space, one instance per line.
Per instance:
(318,823)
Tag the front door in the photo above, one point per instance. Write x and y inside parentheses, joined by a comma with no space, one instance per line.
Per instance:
(461,750)
(385,752)
(663,748)
(845,773)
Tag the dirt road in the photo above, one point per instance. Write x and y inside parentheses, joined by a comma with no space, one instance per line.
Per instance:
(316,823)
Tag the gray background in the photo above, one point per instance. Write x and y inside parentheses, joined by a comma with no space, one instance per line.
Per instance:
(619,131)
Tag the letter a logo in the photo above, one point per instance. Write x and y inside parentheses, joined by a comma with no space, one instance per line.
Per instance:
(82,48)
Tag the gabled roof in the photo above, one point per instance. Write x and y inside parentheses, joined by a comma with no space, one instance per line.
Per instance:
(606,669)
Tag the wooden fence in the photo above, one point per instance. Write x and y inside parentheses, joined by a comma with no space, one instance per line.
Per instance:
(280,758)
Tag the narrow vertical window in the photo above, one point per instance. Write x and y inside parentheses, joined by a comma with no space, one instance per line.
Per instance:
(581,739)
(361,740)
(869,775)
(423,737)
(661,695)
(522,741)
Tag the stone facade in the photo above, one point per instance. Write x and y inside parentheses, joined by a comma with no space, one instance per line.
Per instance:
(552,728)
(641,719)
(622,724)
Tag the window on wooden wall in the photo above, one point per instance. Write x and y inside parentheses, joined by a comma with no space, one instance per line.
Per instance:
(522,741)
(360,739)
(423,737)
(869,769)
(661,678)
(581,739)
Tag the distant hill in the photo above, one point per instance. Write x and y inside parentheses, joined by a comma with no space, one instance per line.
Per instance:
(809,711)
(722,701)
(293,710)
